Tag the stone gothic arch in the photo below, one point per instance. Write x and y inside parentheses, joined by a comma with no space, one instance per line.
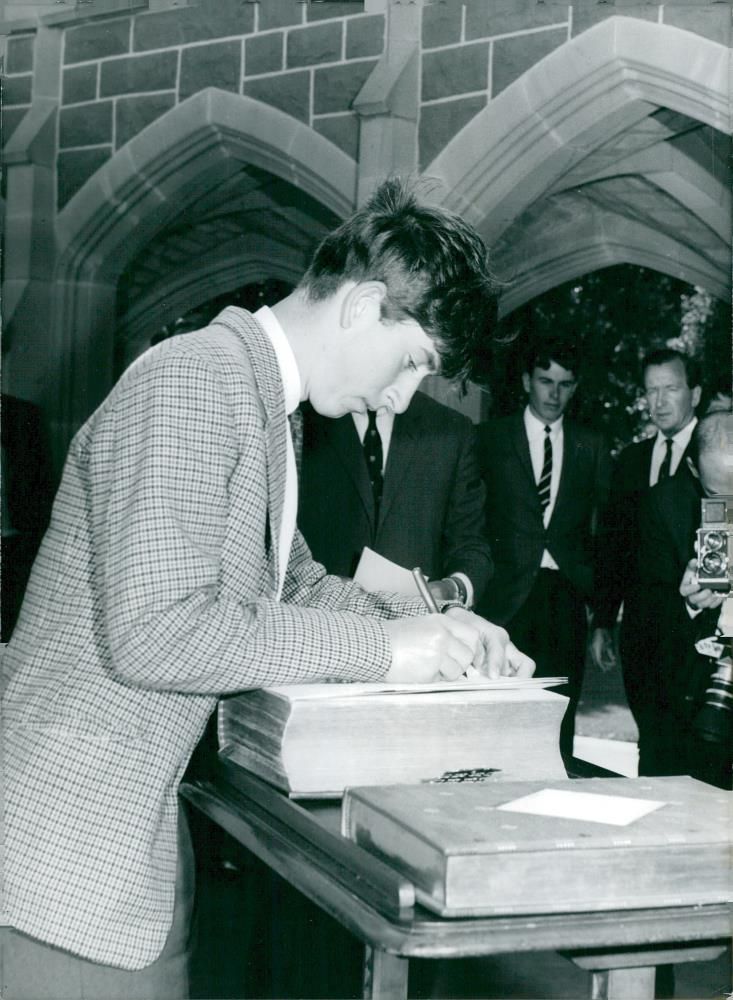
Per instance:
(171,164)
(584,131)
(173,160)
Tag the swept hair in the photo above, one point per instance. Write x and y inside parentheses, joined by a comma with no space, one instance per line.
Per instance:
(542,352)
(665,355)
(435,268)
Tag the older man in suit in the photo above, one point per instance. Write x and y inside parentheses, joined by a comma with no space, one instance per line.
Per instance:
(172,573)
(671,382)
(677,675)
(546,481)
(416,498)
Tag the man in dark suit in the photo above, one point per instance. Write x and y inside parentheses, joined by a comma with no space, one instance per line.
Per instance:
(27,494)
(546,480)
(677,675)
(421,506)
(672,387)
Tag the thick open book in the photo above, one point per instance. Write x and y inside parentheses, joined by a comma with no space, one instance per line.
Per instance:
(551,847)
(313,740)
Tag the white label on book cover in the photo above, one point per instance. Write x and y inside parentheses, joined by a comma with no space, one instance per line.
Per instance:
(616,810)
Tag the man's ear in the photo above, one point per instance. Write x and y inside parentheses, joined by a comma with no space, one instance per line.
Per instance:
(362,303)
(526,381)
(696,393)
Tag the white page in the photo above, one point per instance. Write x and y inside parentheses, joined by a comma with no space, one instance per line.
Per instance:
(616,810)
(374,572)
(308,692)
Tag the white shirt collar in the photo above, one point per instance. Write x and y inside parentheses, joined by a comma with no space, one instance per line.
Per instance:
(285,358)
(536,426)
(681,438)
(385,422)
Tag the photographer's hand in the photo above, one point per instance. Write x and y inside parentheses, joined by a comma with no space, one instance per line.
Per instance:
(699,598)
(603,650)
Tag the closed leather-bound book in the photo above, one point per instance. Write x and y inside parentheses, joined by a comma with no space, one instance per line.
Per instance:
(312,740)
(558,846)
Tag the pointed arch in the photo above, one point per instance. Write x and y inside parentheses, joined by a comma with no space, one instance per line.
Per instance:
(611,240)
(173,160)
(596,85)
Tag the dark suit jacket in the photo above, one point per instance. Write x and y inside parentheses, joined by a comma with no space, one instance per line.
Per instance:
(514,515)
(669,515)
(618,551)
(27,485)
(28,477)
(431,514)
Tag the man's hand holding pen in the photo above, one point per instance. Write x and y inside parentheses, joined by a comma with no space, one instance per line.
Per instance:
(447,645)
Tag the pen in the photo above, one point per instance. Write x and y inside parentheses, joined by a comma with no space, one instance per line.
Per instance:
(424,590)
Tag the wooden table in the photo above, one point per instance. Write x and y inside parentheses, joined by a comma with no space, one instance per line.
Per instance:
(302,843)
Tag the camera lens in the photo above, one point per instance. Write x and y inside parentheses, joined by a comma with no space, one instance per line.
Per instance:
(714,540)
(713,563)
(714,721)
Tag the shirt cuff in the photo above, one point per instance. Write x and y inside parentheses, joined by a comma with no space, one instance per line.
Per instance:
(468,587)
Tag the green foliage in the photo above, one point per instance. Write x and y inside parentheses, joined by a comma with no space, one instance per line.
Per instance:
(618,315)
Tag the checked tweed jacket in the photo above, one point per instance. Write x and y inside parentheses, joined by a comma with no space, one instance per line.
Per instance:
(152,594)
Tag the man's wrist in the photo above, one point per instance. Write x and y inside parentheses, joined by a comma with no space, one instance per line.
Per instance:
(461,589)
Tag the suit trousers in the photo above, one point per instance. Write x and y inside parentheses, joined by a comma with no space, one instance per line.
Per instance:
(32,970)
(551,627)
(668,740)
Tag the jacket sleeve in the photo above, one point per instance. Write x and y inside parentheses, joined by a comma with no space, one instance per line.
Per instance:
(308,584)
(615,555)
(466,546)
(667,633)
(161,467)
(664,622)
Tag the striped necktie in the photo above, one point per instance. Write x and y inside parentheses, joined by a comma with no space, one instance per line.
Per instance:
(543,486)
(666,467)
(374,458)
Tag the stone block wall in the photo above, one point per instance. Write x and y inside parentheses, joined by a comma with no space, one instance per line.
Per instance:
(17,91)
(472,51)
(119,74)
(310,60)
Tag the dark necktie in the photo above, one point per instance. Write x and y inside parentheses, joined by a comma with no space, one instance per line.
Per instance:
(666,467)
(373,457)
(543,486)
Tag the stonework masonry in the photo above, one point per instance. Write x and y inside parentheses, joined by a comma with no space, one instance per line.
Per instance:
(308,60)
(574,135)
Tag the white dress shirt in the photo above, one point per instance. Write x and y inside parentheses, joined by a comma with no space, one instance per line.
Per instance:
(291,387)
(535,430)
(679,442)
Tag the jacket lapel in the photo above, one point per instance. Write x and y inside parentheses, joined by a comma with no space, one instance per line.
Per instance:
(341,436)
(268,380)
(405,447)
(521,446)
(644,459)
(570,446)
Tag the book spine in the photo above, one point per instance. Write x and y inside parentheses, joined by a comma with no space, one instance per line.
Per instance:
(249,759)
(581,880)
(377,832)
